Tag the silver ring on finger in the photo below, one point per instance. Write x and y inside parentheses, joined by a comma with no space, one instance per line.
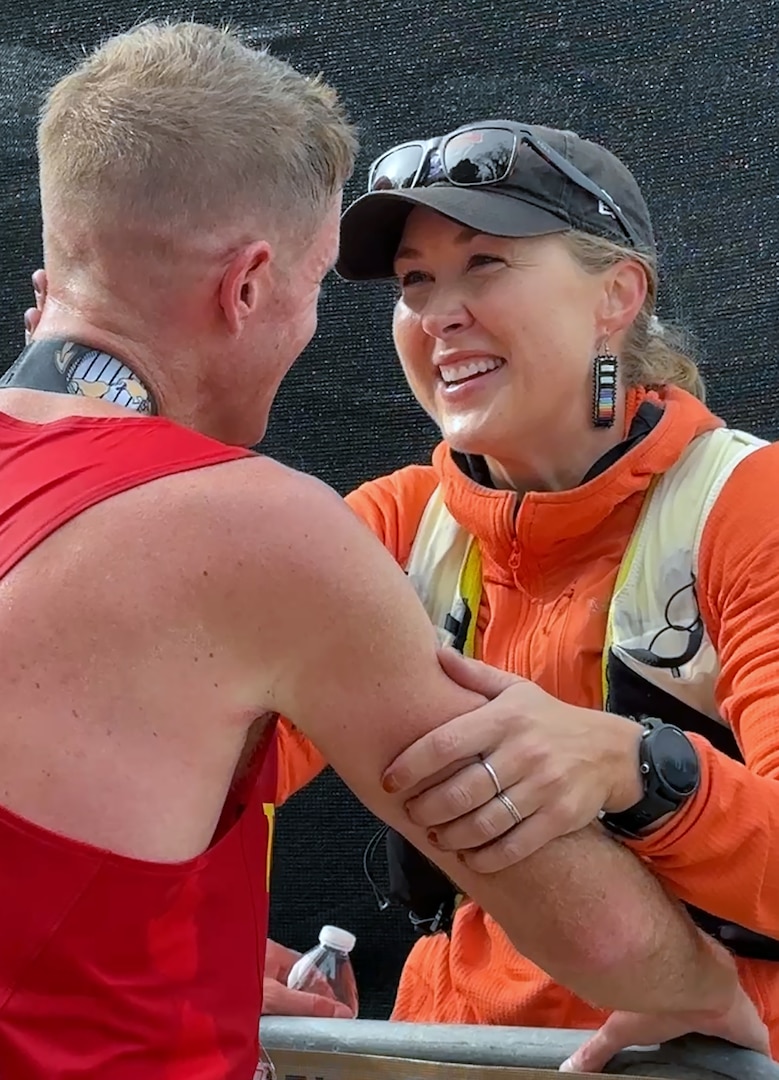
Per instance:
(509,806)
(493,776)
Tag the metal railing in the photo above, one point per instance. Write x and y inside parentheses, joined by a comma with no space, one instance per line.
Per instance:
(307,1044)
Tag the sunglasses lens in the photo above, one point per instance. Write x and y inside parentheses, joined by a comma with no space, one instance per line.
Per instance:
(480,156)
(396,169)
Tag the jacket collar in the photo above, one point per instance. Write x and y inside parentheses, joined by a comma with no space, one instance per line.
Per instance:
(543,532)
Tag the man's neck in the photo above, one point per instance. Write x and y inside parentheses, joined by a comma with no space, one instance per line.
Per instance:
(95,356)
(66,366)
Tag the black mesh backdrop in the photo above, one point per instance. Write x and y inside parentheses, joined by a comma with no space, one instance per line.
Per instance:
(687,94)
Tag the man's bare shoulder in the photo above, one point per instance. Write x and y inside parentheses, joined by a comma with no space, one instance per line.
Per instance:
(274,517)
(280,559)
(255,527)
(241,517)
(258,498)
(248,497)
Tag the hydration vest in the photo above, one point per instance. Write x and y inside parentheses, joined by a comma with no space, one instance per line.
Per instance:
(658,659)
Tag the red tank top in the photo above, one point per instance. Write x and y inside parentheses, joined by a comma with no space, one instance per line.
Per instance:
(110,967)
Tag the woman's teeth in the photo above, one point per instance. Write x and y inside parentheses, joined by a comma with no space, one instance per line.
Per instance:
(453,373)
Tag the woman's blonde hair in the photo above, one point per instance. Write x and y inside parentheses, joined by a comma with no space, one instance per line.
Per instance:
(655,354)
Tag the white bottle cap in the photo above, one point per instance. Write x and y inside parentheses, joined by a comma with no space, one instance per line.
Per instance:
(337,938)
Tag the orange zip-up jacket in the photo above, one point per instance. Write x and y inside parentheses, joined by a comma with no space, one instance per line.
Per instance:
(549,569)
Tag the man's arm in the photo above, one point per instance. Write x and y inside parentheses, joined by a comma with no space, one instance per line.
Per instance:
(347,652)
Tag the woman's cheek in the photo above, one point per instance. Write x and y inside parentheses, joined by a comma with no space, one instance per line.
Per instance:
(402,318)
(413,348)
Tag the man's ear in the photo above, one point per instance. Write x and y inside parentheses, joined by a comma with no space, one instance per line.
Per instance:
(244,283)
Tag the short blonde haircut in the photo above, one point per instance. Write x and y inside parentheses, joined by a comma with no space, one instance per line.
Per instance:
(654,355)
(181,124)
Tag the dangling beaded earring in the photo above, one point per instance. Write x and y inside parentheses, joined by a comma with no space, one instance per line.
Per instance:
(604,389)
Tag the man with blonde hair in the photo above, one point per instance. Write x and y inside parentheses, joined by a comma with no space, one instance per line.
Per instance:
(165,593)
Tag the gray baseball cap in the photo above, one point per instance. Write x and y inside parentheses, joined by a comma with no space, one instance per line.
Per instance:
(556,182)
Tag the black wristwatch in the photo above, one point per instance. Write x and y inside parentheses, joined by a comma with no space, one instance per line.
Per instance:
(670,770)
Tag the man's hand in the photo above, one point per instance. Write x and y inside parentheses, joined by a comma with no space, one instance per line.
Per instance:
(559,765)
(32,316)
(741,1025)
(279,1000)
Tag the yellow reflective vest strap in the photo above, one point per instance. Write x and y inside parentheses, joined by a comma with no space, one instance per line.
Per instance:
(628,561)
(444,567)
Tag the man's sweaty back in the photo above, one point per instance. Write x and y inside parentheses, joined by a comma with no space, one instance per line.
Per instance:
(138,948)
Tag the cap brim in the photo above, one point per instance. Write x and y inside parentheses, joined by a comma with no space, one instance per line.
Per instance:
(372,226)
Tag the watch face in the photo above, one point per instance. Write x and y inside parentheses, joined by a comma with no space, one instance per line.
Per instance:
(676,761)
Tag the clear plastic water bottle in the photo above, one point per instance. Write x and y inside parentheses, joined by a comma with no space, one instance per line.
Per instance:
(326,969)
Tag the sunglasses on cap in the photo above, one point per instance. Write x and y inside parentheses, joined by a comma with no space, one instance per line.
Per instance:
(480,155)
